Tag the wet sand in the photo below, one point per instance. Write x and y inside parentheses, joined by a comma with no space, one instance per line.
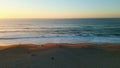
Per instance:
(61,55)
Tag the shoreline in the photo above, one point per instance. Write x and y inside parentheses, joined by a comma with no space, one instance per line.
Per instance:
(61,45)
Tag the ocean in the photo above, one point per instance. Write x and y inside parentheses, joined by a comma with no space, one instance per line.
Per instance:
(40,31)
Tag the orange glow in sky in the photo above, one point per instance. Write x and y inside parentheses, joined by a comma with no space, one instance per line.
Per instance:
(59,9)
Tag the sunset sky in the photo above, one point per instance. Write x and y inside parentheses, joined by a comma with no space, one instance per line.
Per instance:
(59,8)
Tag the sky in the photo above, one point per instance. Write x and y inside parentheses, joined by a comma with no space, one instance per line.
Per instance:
(59,8)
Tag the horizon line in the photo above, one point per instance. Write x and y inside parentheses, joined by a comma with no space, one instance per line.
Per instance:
(66,18)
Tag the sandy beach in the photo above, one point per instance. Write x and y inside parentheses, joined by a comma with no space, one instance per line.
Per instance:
(62,55)
(59,34)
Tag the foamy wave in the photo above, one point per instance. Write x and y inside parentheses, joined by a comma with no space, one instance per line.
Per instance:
(61,39)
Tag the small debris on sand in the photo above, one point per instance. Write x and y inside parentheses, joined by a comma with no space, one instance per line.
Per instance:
(52,58)
(33,54)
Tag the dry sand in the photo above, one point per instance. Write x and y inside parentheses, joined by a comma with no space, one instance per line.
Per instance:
(60,56)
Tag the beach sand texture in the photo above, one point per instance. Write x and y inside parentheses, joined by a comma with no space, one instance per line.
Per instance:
(62,55)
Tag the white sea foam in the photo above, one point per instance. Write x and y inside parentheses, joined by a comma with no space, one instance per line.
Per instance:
(60,31)
(67,39)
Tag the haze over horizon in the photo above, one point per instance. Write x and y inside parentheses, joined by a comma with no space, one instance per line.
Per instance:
(59,9)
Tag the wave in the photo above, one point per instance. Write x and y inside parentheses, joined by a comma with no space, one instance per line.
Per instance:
(21,38)
(60,39)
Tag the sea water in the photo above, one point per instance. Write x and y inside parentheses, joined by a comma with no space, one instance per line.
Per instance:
(40,31)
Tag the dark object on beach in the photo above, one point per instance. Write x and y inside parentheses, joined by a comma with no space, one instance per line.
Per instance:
(42,45)
(33,54)
(52,58)
(28,52)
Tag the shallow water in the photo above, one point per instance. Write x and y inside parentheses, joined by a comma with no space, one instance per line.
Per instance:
(60,31)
